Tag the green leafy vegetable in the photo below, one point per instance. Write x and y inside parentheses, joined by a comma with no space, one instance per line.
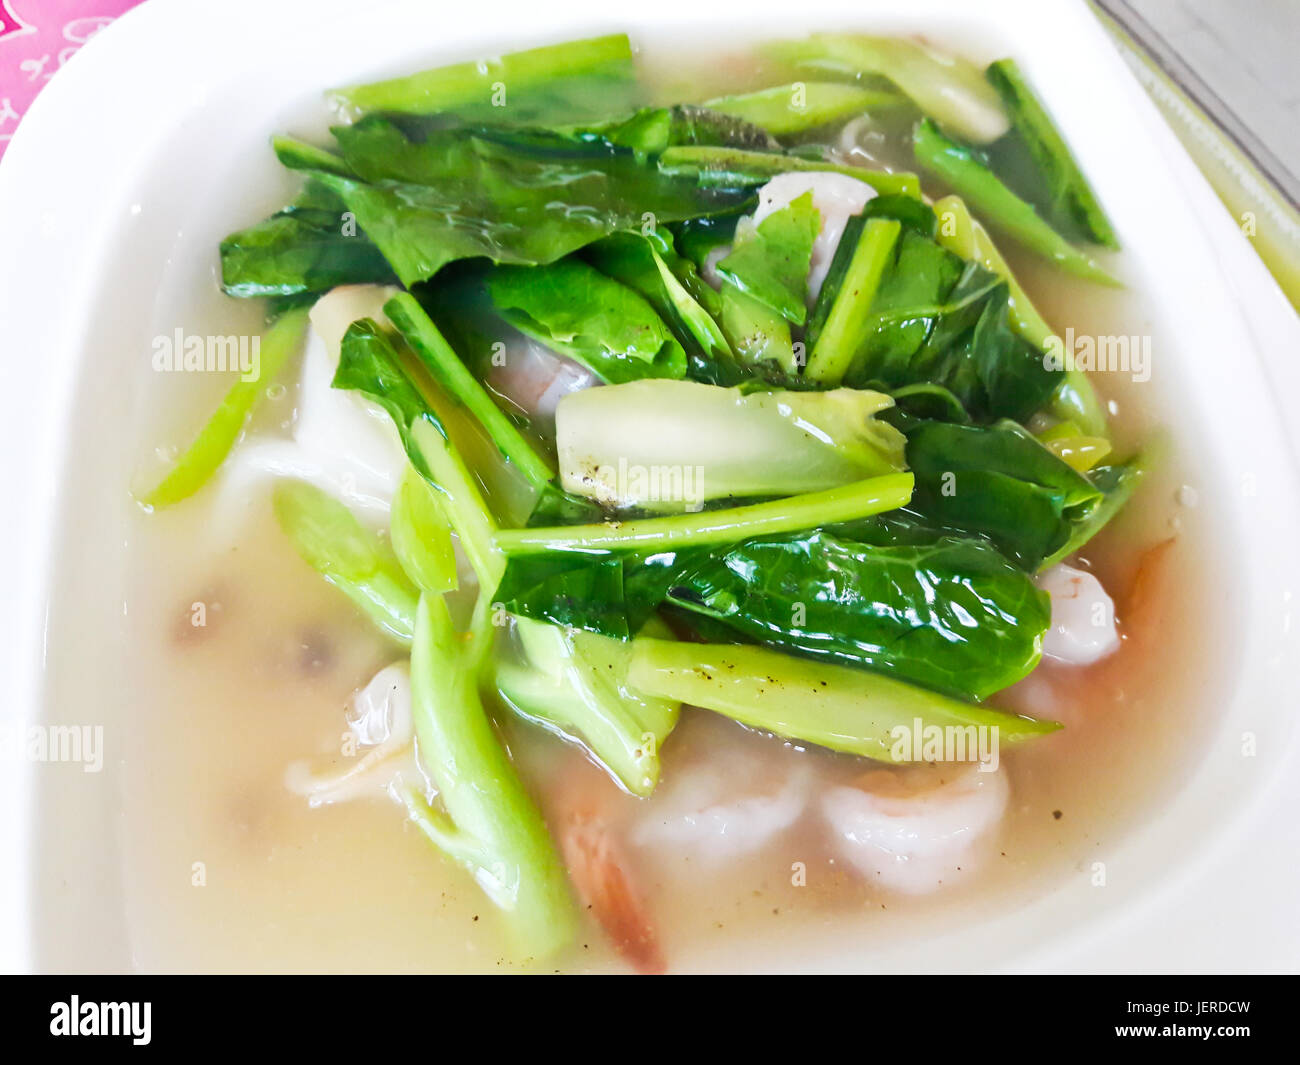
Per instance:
(848,502)
(965,237)
(575,683)
(369,363)
(803,106)
(610,593)
(770,261)
(648,263)
(888,594)
(205,455)
(998,481)
(429,194)
(932,320)
(1117,484)
(846,323)
(419,332)
(308,247)
(1075,397)
(949,89)
(831,706)
(1066,199)
(574,308)
(733,168)
(673,445)
(334,543)
(490,825)
(421,537)
(944,612)
(758,335)
(652,130)
(971,178)
(557,82)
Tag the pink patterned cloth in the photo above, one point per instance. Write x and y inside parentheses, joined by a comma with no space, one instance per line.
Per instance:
(36,38)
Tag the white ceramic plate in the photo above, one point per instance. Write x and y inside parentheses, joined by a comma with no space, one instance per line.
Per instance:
(105,187)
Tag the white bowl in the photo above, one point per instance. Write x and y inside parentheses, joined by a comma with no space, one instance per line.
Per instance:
(113,186)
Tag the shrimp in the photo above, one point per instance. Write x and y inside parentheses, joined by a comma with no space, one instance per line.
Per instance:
(916,829)
(718,812)
(380,720)
(1148,595)
(1083,617)
(862,142)
(534,378)
(589,828)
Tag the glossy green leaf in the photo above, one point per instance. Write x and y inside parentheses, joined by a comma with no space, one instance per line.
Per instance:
(770,261)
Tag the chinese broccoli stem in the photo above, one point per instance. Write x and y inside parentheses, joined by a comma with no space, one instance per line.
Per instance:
(849,502)
(845,328)
(487,823)
(423,337)
(205,455)
(832,706)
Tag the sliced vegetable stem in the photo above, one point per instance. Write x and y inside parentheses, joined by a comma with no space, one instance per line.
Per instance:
(949,89)
(712,165)
(784,109)
(961,234)
(843,709)
(1060,171)
(844,331)
(421,535)
(205,455)
(449,87)
(849,502)
(466,509)
(1003,209)
(491,825)
(331,540)
(419,331)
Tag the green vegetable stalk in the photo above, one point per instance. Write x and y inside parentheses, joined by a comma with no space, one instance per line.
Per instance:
(333,542)
(769,262)
(961,234)
(467,84)
(982,189)
(1072,195)
(421,536)
(803,106)
(490,825)
(845,328)
(205,455)
(423,337)
(949,89)
(849,502)
(575,683)
(1074,399)
(811,702)
(732,167)
(718,443)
